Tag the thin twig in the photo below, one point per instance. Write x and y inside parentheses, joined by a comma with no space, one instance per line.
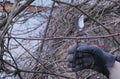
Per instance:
(46,28)
(18,72)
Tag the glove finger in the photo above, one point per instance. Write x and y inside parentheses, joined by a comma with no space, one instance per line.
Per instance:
(79,61)
(86,49)
(82,48)
(84,63)
(70,65)
(70,58)
(79,54)
(77,68)
(84,58)
(88,62)
(72,49)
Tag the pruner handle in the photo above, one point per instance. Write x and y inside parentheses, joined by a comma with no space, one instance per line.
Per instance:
(75,54)
(74,59)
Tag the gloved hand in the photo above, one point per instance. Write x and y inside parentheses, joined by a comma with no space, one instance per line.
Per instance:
(90,57)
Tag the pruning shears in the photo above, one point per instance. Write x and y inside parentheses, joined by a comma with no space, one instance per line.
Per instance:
(79,23)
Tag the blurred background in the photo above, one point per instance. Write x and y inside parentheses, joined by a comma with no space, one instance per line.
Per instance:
(25,58)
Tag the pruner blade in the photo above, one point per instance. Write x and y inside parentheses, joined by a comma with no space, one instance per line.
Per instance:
(79,22)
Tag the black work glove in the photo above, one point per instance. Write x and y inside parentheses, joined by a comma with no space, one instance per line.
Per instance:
(90,57)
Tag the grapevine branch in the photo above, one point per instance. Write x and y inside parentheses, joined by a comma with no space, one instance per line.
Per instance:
(61,37)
